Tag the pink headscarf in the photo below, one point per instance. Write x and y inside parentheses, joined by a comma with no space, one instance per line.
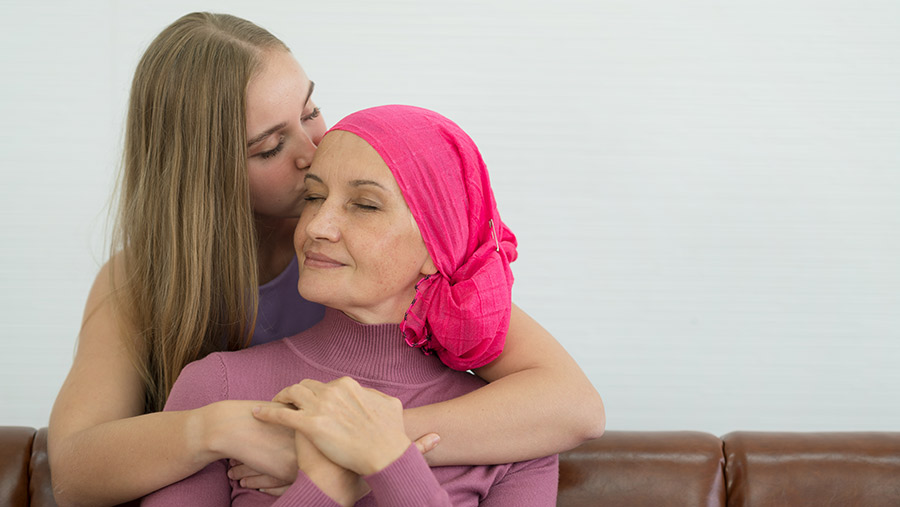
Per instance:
(462,312)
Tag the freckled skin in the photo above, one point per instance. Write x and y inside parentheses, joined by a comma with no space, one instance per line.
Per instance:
(356,216)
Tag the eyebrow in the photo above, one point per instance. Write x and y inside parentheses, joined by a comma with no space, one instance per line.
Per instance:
(360,183)
(266,134)
(353,183)
(281,125)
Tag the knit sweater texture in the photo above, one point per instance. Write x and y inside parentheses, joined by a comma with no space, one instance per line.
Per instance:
(377,357)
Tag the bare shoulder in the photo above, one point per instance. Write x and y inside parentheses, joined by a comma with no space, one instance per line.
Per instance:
(102,288)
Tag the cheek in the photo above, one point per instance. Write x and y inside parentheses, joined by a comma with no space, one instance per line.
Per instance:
(259,184)
(404,256)
(300,233)
(274,184)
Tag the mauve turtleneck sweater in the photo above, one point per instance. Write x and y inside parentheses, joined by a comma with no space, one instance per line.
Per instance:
(377,357)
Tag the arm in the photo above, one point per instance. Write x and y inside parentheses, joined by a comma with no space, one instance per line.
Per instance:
(206,380)
(408,482)
(538,403)
(200,383)
(97,415)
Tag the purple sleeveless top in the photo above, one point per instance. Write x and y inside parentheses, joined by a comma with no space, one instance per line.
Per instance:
(282,312)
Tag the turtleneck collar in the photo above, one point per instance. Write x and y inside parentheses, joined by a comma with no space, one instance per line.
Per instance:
(374,352)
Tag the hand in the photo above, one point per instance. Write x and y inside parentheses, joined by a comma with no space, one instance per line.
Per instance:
(341,485)
(252,479)
(358,428)
(265,448)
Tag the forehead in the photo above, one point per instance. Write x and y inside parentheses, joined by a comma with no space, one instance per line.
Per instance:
(345,156)
(278,89)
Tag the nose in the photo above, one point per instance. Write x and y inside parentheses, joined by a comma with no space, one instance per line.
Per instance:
(311,135)
(323,224)
(305,151)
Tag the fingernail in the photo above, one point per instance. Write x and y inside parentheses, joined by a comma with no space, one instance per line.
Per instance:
(256,409)
(434,440)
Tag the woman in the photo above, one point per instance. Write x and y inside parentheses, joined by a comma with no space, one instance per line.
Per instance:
(400,219)
(221,128)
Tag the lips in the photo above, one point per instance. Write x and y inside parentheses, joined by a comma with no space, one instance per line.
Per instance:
(318,260)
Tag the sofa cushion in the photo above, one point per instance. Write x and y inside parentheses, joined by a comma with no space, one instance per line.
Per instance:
(634,468)
(846,468)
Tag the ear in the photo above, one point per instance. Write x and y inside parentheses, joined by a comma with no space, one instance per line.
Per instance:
(428,267)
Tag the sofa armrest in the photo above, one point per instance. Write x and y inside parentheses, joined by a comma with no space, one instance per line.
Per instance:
(638,468)
(841,468)
(15,456)
(40,487)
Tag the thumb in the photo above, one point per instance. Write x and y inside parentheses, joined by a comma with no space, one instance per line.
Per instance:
(427,442)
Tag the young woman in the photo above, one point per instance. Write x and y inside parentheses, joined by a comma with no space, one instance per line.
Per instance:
(221,130)
(399,204)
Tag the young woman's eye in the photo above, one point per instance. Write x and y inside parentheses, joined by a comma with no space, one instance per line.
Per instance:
(274,151)
(313,115)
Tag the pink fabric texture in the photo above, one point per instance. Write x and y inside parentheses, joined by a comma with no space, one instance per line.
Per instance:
(461,313)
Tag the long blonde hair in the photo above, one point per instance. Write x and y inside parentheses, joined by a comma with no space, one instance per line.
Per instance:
(185,228)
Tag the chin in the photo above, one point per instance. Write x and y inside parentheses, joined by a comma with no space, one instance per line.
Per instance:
(316,294)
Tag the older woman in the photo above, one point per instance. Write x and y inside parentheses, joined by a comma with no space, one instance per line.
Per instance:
(402,240)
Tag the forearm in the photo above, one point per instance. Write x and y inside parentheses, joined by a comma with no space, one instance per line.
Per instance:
(525,415)
(121,460)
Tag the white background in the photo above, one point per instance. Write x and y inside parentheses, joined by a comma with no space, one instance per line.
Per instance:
(706,194)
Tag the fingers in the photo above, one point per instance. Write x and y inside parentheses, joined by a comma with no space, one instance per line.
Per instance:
(274,491)
(308,391)
(262,482)
(302,394)
(294,395)
(289,417)
(427,442)
(310,395)
(346,383)
(250,478)
(240,471)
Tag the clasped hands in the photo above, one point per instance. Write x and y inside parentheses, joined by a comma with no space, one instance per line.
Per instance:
(342,432)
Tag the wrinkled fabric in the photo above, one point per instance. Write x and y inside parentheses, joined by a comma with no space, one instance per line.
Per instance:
(461,313)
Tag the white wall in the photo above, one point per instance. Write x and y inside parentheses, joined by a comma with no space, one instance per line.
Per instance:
(706,194)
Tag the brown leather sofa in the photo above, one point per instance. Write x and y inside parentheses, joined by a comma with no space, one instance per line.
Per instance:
(634,469)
